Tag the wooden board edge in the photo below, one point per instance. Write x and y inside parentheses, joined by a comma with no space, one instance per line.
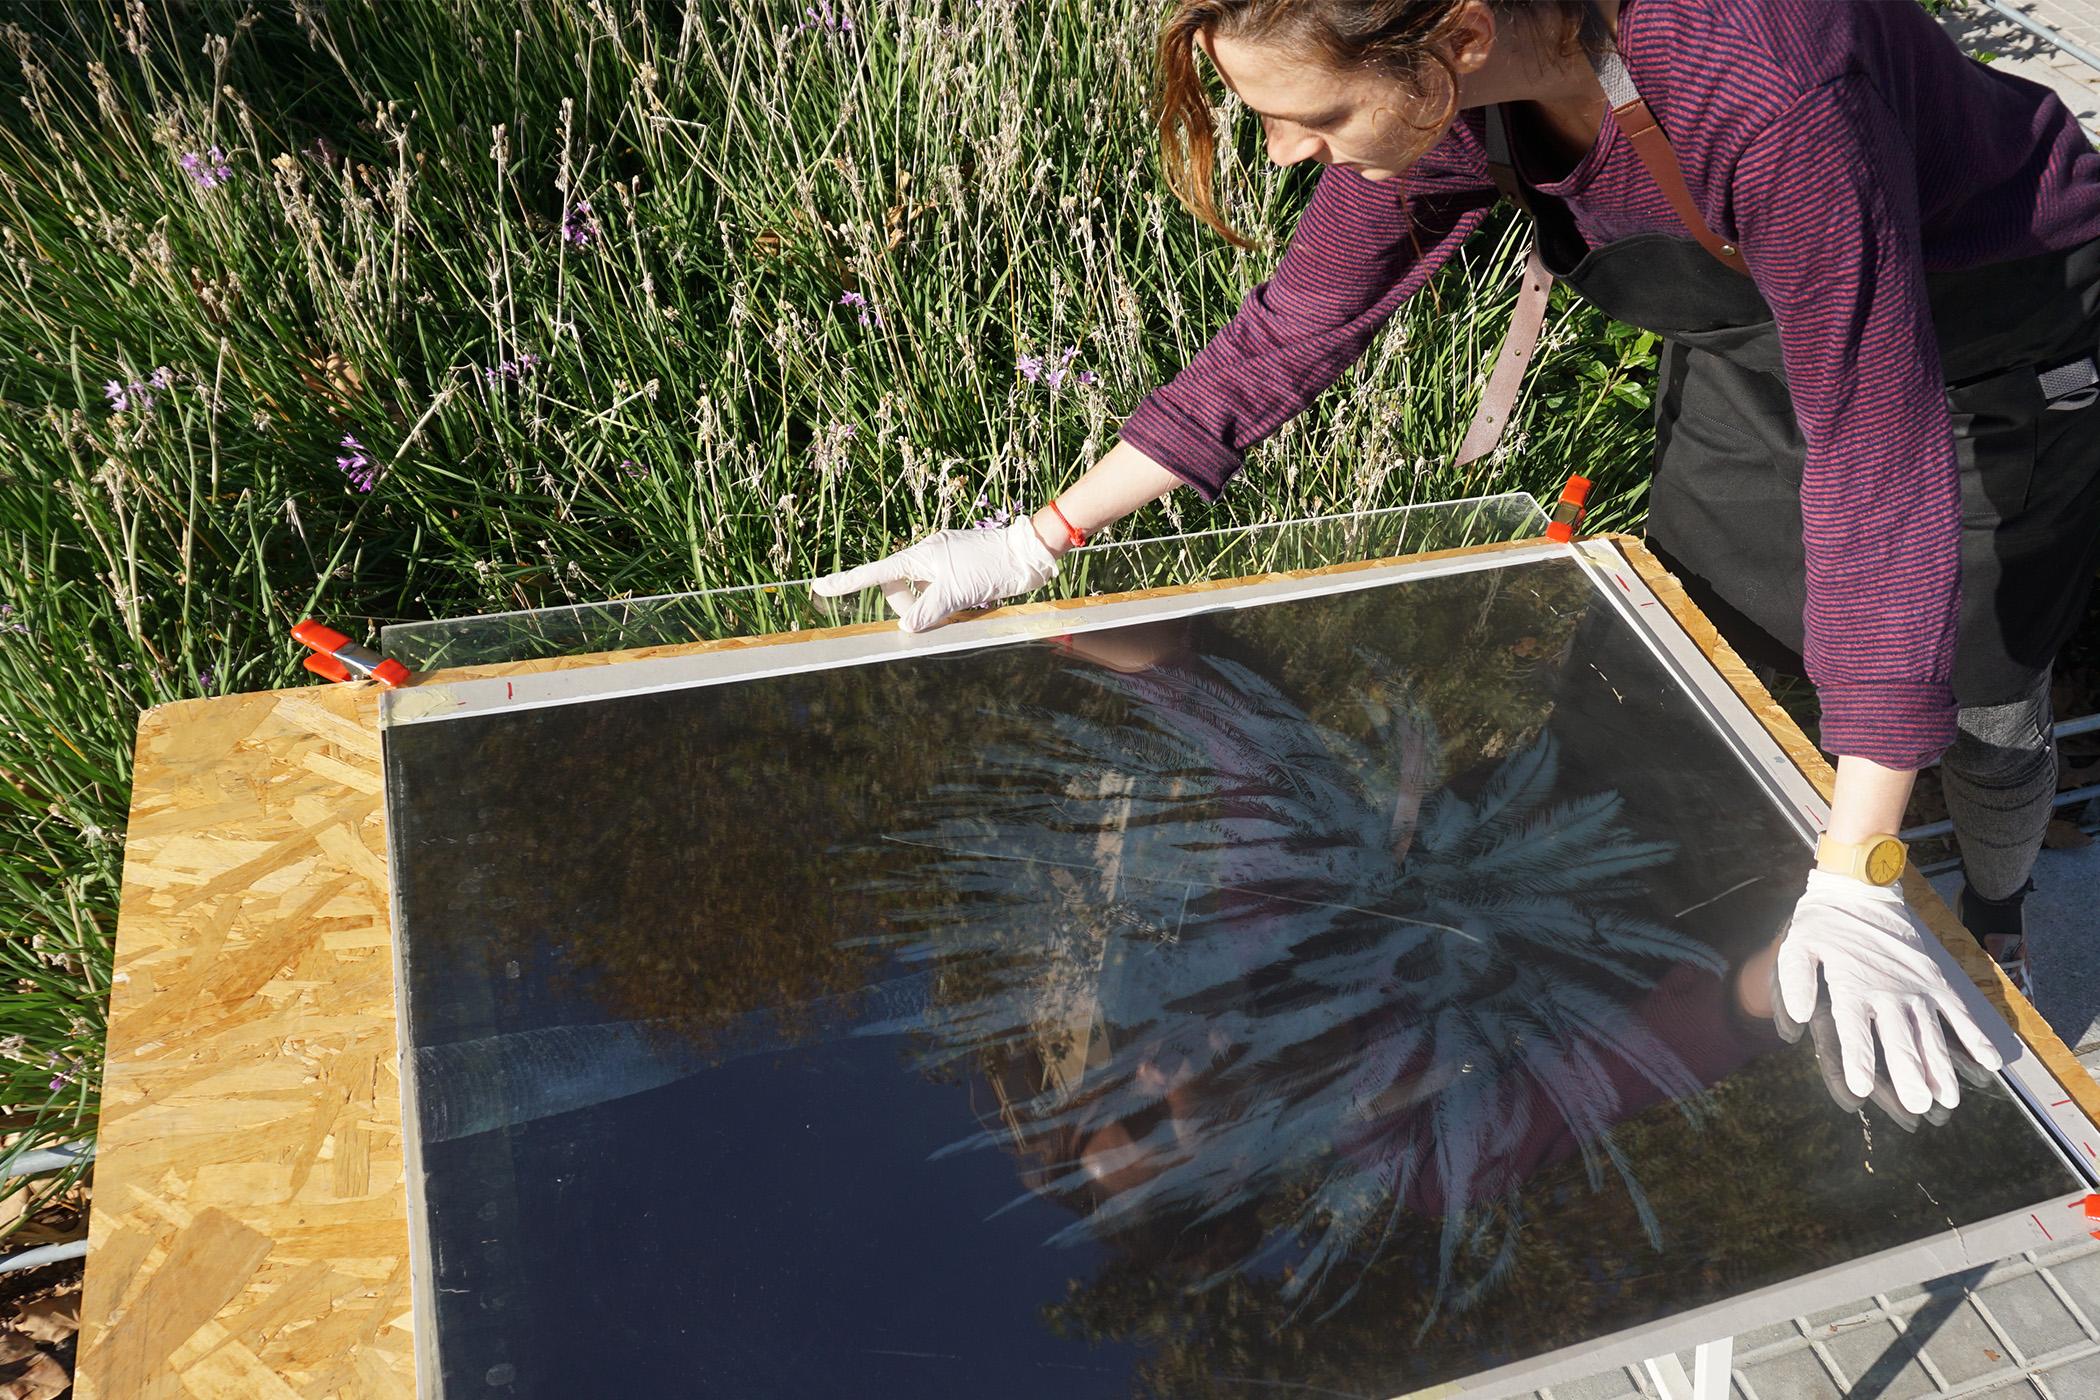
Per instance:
(2019,1013)
(541,665)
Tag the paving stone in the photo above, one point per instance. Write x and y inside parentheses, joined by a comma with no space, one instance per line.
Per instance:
(1879,1362)
(1767,1336)
(1795,1376)
(2031,1315)
(1957,1339)
(2080,1277)
(1605,1385)
(2075,1380)
(1820,1323)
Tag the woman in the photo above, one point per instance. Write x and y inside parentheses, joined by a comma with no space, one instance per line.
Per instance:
(1877,267)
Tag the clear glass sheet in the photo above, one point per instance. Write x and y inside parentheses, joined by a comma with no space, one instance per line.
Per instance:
(1342,995)
(788,605)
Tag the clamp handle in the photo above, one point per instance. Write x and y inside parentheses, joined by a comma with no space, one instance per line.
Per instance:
(340,659)
(1567,512)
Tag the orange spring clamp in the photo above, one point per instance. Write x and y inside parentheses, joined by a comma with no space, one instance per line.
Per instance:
(335,657)
(1567,513)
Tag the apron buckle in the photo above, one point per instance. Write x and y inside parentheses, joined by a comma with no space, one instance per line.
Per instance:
(2072,384)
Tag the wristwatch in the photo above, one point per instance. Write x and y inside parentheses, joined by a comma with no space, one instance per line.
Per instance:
(1878,860)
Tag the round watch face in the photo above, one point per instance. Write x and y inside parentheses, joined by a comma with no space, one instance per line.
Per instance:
(1885,861)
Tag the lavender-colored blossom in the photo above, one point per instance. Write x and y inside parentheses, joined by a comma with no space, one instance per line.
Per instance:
(821,16)
(996,520)
(869,315)
(209,170)
(6,610)
(138,393)
(579,226)
(512,370)
(1050,376)
(357,466)
(206,679)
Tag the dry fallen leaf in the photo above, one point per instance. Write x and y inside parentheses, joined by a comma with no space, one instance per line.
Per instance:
(41,1378)
(48,1319)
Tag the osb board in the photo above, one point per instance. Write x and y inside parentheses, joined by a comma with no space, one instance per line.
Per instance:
(249,1236)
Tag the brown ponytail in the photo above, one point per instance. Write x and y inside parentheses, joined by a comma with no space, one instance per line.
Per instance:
(1399,39)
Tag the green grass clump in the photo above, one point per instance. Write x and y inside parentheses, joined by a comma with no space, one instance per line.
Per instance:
(599,298)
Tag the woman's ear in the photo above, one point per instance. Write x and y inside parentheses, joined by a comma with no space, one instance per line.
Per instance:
(1473,37)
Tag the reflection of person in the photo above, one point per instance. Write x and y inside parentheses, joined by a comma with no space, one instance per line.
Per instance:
(1320,974)
(1892,271)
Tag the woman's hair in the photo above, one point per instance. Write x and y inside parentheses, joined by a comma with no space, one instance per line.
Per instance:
(1399,39)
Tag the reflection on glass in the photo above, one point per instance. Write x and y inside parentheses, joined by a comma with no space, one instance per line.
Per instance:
(1117,566)
(1347,994)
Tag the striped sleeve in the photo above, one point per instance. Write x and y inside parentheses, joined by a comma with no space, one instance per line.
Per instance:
(1357,252)
(1827,215)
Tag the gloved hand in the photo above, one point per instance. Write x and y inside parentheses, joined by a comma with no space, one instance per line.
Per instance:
(1882,980)
(960,568)
(1830,1062)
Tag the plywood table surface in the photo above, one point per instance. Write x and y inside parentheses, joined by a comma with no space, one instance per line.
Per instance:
(249,1235)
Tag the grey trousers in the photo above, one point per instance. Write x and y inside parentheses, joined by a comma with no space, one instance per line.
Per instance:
(1999,777)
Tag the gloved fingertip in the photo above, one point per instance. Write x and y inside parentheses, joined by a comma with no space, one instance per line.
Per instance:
(1797,987)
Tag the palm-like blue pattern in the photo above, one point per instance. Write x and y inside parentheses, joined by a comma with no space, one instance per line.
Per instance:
(1363,1029)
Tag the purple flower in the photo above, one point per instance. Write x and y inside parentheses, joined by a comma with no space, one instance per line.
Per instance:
(138,393)
(206,679)
(821,16)
(629,470)
(868,314)
(209,170)
(512,370)
(578,225)
(357,466)
(6,609)
(1051,377)
(997,520)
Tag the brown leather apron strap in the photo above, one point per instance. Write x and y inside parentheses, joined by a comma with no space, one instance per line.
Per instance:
(1499,398)
(1649,143)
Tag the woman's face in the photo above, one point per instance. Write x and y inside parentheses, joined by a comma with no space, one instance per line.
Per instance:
(1360,120)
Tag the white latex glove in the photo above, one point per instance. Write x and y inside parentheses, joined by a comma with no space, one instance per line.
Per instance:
(1872,950)
(960,568)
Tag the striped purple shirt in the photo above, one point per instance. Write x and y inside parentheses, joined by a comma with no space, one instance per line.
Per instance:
(1847,148)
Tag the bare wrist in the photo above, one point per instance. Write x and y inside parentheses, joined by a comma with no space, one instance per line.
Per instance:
(1051,531)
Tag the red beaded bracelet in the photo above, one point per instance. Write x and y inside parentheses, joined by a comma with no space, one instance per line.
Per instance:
(1078,535)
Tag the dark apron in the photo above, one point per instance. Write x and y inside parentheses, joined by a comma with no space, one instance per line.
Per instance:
(1724,509)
